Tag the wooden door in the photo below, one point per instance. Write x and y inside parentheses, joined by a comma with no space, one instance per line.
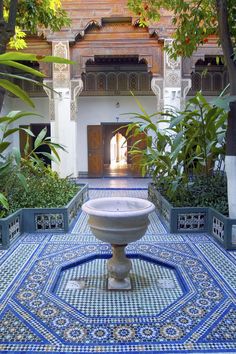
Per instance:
(95,150)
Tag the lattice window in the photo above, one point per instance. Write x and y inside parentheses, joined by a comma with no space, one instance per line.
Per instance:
(122,82)
(28,86)
(101,82)
(218,228)
(217,82)
(191,221)
(196,82)
(133,82)
(111,82)
(207,82)
(144,82)
(49,222)
(90,82)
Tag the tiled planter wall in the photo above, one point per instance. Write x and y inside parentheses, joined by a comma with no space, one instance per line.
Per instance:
(41,219)
(193,220)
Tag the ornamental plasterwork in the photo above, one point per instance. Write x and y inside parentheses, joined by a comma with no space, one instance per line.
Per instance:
(76,89)
(61,80)
(173,79)
(157,87)
(172,68)
(186,86)
(61,50)
(173,63)
(61,72)
(50,93)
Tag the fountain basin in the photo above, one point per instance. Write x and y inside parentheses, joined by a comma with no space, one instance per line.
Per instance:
(118,221)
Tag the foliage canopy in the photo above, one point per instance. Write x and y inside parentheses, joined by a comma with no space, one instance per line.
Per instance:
(194,20)
(30,16)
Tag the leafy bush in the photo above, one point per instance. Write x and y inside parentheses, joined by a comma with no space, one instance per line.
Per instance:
(190,148)
(42,191)
(201,192)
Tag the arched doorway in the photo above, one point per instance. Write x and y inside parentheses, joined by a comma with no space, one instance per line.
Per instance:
(118,151)
(100,159)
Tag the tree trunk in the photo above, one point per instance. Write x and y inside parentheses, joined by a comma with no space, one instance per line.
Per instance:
(230,158)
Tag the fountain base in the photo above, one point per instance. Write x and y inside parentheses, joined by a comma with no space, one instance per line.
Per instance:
(118,267)
(114,284)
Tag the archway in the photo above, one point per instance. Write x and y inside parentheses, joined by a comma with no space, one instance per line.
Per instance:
(118,151)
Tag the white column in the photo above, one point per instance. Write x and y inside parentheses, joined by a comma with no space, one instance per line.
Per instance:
(63,112)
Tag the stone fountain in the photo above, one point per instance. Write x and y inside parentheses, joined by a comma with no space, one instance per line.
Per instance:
(118,221)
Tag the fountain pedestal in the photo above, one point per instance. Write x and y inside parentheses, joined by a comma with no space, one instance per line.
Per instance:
(118,268)
(118,221)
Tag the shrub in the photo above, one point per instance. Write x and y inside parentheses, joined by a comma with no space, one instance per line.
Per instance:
(182,157)
(42,191)
(201,192)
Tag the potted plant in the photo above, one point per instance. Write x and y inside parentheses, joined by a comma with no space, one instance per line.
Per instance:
(186,162)
(32,197)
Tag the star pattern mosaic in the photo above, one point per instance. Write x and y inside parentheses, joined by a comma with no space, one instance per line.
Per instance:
(183,298)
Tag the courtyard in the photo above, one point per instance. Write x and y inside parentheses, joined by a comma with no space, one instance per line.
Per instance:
(54,297)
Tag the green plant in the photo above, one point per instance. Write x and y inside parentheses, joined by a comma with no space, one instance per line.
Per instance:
(13,163)
(190,145)
(44,191)
(10,161)
(199,135)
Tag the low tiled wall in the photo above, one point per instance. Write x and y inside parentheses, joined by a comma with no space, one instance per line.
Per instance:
(191,219)
(41,219)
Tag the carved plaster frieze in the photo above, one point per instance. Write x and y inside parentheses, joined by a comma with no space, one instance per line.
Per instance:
(61,72)
(61,49)
(172,68)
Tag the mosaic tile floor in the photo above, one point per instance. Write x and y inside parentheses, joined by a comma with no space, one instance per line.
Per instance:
(53,296)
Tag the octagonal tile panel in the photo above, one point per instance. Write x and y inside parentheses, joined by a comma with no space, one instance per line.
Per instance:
(155,287)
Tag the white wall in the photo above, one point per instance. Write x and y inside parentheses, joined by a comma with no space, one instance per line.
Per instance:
(91,111)
(94,110)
